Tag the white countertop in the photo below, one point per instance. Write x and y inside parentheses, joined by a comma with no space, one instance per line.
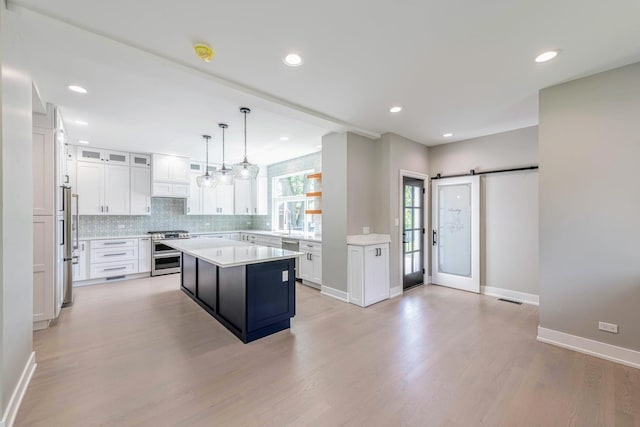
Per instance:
(294,236)
(368,239)
(229,253)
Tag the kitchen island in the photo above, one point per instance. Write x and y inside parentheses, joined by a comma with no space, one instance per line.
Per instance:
(249,289)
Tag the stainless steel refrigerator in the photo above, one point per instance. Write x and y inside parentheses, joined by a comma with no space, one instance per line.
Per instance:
(68,243)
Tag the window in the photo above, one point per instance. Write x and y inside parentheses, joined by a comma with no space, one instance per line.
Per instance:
(290,202)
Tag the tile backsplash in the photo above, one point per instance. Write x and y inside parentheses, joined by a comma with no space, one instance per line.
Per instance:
(166,214)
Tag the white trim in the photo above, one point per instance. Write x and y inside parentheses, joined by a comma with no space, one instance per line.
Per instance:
(509,294)
(429,281)
(395,291)
(9,417)
(334,293)
(599,349)
(425,219)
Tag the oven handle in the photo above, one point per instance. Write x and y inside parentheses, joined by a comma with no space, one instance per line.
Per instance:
(166,255)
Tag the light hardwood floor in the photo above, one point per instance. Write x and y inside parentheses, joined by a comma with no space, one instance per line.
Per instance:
(142,353)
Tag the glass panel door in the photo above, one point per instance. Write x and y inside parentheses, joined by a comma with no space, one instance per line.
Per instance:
(413,232)
(456,232)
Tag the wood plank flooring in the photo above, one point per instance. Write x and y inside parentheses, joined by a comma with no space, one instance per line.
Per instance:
(140,353)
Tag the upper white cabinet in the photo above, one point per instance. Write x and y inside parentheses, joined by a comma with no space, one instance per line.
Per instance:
(171,176)
(208,201)
(103,189)
(244,196)
(98,155)
(262,195)
(140,191)
(140,160)
(43,173)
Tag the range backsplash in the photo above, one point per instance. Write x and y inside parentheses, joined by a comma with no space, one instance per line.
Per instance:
(166,214)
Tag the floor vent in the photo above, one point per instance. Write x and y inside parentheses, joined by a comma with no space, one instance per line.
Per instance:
(510,300)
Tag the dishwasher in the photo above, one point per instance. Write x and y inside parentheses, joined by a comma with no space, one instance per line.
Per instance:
(292,245)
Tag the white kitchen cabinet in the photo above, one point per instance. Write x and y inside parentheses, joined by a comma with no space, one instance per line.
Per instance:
(243,195)
(248,238)
(262,196)
(43,171)
(144,255)
(43,269)
(208,201)
(94,155)
(113,258)
(194,202)
(90,188)
(140,191)
(269,241)
(116,189)
(225,199)
(140,161)
(116,158)
(171,176)
(368,274)
(311,263)
(81,266)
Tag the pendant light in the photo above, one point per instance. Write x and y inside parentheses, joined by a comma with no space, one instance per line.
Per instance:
(244,169)
(224,174)
(206,180)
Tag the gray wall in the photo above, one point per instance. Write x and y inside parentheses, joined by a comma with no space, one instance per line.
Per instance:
(16,229)
(397,153)
(334,211)
(509,204)
(589,206)
(362,183)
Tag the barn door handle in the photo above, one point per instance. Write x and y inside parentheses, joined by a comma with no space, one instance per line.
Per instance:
(433,238)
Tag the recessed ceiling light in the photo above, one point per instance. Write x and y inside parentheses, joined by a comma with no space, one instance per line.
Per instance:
(447,135)
(395,109)
(547,56)
(293,60)
(284,138)
(77,89)
(82,141)
(81,123)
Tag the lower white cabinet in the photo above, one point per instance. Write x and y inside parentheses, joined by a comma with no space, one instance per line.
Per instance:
(43,269)
(113,258)
(368,274)
(269,241)
(81,267)
(144,255)
(114,269)
(249,238)
(311,262)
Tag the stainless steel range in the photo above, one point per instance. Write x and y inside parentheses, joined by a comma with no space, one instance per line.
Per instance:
(164,259)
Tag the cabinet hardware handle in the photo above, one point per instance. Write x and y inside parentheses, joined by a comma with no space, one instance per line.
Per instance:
(107,209)
(101,208)
(119,254)
(114,243)
(148,208)
(115,269)
(83,246)
(433,238)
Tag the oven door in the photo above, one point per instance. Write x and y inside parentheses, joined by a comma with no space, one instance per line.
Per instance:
(165,260)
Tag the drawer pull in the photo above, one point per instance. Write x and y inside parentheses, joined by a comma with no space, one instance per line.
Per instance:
(115,269)
(114,243)
(120,254)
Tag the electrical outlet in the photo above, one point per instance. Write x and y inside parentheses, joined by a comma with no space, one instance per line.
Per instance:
(120,226)
(366,230)
(285,276)
(608,327)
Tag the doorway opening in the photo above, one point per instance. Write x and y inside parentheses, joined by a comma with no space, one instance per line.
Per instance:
(413,229)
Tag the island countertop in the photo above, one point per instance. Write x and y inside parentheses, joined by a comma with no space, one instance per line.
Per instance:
(229,253)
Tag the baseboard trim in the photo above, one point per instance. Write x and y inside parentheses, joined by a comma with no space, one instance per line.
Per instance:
(396,291)
(40,325)
(9,417)
(621,355)
(509,294)
(334,293)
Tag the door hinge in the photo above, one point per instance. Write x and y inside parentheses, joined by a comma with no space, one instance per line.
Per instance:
(423,231)
(423,190)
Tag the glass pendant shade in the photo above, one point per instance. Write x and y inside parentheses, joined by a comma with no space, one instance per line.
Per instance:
(244,169)
(206,180)
(224,175)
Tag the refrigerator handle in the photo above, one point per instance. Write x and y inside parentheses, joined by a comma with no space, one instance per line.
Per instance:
(76,244)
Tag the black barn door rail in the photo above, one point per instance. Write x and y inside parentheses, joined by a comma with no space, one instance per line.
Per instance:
(474,172)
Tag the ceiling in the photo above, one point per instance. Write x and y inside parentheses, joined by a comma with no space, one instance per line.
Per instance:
(464,67)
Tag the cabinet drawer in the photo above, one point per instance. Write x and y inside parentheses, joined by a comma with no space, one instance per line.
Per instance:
(126,253)
(306,246)
(112,269)
(114,243)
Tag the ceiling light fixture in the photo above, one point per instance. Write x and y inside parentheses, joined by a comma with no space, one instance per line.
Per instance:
(206,180)
(547,56)
(395,109)
(225,174)
(77,89)
(81,141)
(204,51)
(244,169)
(81,123)
(447,135)
(293,60)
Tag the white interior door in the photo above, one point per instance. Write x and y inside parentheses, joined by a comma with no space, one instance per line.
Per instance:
(455,235)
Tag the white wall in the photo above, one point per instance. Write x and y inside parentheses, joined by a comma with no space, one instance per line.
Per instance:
(509,204)
(590,206)
(16,228)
